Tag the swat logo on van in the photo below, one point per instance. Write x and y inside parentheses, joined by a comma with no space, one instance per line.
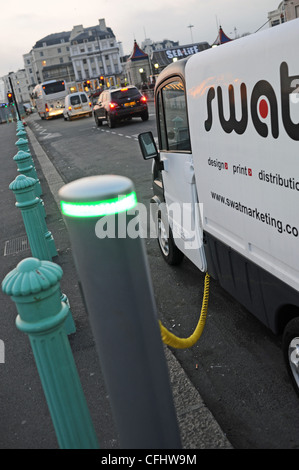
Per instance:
(262,98)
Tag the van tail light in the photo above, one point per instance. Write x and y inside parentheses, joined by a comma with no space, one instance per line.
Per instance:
(143,99)
(47,109)
(90,104)
(113,105)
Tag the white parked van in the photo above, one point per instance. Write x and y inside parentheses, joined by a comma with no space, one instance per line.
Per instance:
(76,105)
(226,177)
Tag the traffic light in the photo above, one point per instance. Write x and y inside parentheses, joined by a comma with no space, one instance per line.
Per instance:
(102,80)
(9,96)
(87,84)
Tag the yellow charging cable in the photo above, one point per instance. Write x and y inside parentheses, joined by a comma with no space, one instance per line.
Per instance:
(181,343)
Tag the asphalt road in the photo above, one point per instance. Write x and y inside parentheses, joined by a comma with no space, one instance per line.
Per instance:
(237,365)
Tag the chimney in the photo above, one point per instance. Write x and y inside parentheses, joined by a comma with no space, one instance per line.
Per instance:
(102,24)
(76,31)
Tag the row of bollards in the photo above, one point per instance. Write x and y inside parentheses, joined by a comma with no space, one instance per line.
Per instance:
(43,310)
(119,298)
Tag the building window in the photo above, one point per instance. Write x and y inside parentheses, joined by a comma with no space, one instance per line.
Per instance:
(275,22)
(61,60)
(41,54)
(58,50)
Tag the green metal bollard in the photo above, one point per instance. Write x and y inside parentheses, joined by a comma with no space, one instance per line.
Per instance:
(23,146)
(28,202)
(22,134)
(26,167)
(34,287)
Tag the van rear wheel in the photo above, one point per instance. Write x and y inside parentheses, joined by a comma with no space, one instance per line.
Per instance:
(290,346)
(170,252)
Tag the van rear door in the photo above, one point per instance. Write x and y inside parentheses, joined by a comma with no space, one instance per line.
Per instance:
(178,172)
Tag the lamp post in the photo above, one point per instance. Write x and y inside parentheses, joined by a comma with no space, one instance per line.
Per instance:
(191,26)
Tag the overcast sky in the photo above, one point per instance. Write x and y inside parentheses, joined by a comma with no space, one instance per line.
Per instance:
(25,22)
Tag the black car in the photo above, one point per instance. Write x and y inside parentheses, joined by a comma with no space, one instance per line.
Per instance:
(120,103)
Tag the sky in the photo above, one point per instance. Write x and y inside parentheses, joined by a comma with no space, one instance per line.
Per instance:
(23,23)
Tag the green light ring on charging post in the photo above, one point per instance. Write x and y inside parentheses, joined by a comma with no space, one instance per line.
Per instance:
(99,208)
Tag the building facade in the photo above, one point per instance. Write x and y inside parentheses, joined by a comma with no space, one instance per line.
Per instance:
(20,85)
(141,68)
(75,56)
(95,52)
(287,10)
(138,67)
(149,46)
(49,59)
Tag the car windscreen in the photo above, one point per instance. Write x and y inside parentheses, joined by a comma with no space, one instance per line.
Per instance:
(54,87)
(125,93)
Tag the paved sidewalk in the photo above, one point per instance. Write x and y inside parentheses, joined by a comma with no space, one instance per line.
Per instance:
(26,423)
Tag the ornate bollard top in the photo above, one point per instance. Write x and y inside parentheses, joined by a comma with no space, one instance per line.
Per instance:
(31,276)
(21,155)
(22,134)
(21,141)
(34,287)
(22,182)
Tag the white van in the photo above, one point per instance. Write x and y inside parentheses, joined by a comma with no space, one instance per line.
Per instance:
(76,105)
(226,177)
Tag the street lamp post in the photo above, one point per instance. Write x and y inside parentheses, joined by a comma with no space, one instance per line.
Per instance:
(191,26)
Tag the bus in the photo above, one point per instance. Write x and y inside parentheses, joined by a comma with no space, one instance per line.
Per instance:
(48,98)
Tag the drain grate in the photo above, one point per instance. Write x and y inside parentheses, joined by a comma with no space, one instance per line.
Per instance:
(16,245)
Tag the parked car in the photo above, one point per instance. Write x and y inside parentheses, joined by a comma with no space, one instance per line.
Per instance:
(76,105)
(120,103)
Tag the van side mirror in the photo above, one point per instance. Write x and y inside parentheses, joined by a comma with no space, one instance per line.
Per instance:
(147,145)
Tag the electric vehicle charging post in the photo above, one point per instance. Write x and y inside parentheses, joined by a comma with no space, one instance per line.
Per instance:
(118,294)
